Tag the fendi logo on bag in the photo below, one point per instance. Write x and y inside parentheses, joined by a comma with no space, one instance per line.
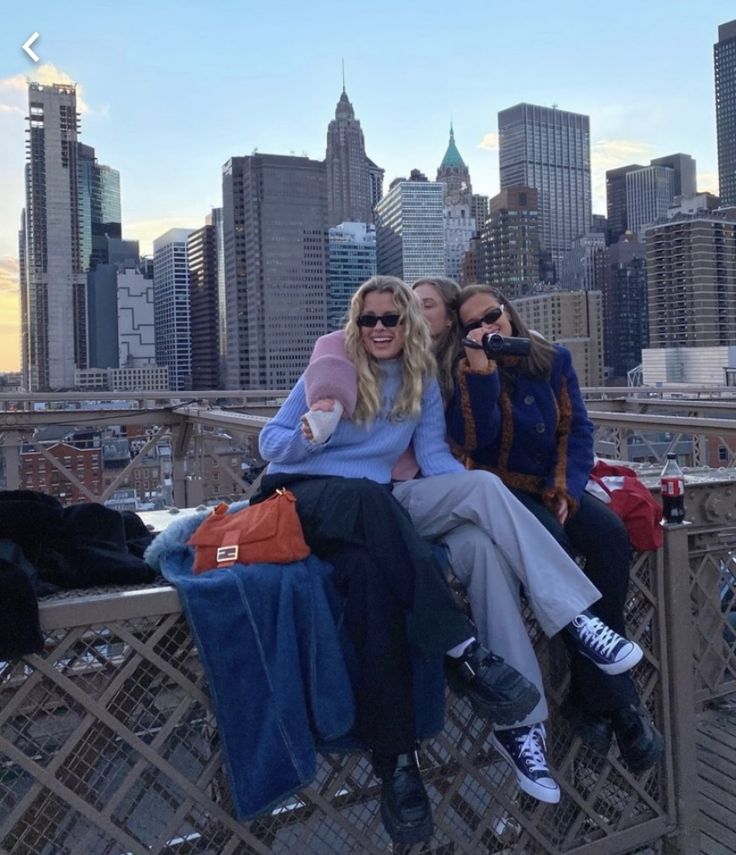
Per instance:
(227,553)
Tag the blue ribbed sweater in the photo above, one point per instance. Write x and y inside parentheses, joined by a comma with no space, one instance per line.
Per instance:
(360,451)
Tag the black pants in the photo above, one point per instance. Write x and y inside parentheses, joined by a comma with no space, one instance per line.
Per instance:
(600,536)
(395,594)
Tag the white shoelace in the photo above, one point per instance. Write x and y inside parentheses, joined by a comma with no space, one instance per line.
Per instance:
(596,634)
(532,747)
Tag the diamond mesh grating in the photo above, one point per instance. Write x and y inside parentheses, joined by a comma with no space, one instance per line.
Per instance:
(107,744)
(713,605)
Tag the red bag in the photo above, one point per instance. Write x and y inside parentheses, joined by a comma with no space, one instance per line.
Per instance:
(630,500)
(266,533)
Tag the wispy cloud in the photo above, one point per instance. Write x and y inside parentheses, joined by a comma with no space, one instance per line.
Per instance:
(708,182)
(14,89)
(489,141)
(9,314)
(9,332)
(146,231)
(608,154)
(8,274)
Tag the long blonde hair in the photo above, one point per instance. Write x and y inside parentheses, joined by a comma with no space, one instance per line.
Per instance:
(417,361)
(447,346)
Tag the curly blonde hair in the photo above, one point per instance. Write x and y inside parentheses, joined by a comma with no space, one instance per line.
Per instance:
(417,361)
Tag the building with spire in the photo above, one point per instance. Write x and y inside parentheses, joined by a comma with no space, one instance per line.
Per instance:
(459,225)
(353,180)
(455,175)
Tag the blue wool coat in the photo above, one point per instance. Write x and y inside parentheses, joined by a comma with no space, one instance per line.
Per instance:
(280,670)
(267,638)
(534,433)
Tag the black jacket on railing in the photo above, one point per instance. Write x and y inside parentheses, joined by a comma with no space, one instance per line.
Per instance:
(45,547)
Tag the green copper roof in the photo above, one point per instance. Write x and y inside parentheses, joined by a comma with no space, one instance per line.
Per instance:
(452,155)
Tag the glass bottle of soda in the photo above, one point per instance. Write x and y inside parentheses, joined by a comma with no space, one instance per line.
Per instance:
(673,491)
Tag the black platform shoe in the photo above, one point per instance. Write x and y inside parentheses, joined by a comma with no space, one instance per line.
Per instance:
(639,742)
(405,808)
(496,691)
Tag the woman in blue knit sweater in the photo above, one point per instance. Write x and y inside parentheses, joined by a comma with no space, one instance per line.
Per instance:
(395,594)
(524,419)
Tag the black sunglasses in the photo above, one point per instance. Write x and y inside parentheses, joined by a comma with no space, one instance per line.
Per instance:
(490,317)
(372,320)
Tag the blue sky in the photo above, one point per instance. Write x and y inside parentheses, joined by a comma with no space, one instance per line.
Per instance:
(171,90)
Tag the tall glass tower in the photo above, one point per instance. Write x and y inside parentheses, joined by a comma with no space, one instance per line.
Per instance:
(410,236)
(724,61)
(549,149)
(352,260)
(53,302)
(172,306)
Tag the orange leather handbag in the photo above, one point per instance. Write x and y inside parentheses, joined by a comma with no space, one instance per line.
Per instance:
(269,532)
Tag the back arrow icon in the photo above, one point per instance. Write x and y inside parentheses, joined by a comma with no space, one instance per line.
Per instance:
(27,47)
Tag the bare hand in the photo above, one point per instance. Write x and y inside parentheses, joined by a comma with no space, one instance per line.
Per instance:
(563,510)
(306,430)
(477,358)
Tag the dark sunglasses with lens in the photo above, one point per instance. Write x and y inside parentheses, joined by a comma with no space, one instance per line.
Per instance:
(372,320)
(489,318)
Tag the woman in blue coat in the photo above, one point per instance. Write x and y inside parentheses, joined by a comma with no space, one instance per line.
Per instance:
(523,417)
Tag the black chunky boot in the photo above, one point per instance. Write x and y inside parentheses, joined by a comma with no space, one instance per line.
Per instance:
(405,808)
(496,691)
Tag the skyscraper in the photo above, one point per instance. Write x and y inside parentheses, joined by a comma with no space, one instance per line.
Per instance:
(410,237)
(203,307)
(120,330)
(572,318)
(479,211)
(275,241)
(583,267)
(510,241)
(375,175)
(353,181)
(649,193)
(625,309)
(724,61)
(53,304)
(549,149)
(171,306)
(352,260)
(646,196)
(23,283)
(691,280)
(99,207)
(685,172)
(458,193)
(219,225)
(616,200)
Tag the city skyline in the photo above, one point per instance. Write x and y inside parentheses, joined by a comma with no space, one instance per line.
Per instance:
(179,94)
